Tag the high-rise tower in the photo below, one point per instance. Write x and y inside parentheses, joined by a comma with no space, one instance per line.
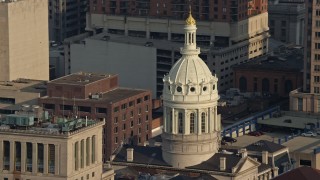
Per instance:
(191,123)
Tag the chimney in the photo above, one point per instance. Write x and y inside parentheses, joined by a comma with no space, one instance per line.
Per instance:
(244,152)
(265,157)
(222,163)
(275,171)
(129,154)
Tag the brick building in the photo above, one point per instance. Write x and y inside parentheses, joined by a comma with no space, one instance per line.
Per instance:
(127,111)
(271,74)
(217,10)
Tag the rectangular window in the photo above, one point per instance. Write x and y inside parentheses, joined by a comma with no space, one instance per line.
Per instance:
(116,109)
(316,79)
(316,57)
(115,119)
(139,101)
(146,98)
(101,110)
(115,130)
(84,109)
(316,67)
(317,45)
(300,104)
(124,106)
(131,103)
(305,162)
(180,121)
(147,108)
(124,117)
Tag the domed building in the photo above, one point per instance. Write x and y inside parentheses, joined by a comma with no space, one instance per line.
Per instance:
(191,130)
(190,142)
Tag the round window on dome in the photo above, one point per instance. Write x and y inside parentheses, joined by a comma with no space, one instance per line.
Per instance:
(179,88)
(214,87)
(204,88)
(192,89)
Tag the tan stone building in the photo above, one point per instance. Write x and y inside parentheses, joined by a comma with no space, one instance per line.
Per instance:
(307,99)
(61,149)
(24,51)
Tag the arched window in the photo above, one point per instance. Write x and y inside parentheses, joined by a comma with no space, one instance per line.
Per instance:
(243,84)
(203,122)
(192,123)
(288,86)
(180,123)
(265,85)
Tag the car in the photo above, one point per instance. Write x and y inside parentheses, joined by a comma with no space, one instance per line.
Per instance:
(309,134)
(254,133)
(228,139)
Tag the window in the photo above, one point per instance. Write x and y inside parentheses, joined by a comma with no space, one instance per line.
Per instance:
(147,127)
(203,122)
(146,98)
(316,57)
(139,111)
(124,106)
(101,110)
(92,174)
(300,104)
(131,123)
(180,121)
(317,45)
(316,67)
(147,108)
(124,127)
(116,109)
(192,128)
(131,113)
(147,118)
(316,79)
(139,120)
(115,140)
(305,162)
(139,101)
(124,117)
(115,130)
(115,119)
(131,103)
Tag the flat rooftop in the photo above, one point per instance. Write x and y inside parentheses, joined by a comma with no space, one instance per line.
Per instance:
(303,144)
(161,44)
(81,78)
(23,85)
(291,120)
(288,58)
(114,95)
(25,124)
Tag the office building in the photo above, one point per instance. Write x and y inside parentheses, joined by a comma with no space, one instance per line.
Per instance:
(66,18)
(59,149)
(307,98)
(230,33)
(286,20)
(98,96)
(24,40)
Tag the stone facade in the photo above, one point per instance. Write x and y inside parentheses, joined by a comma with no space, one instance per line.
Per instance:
(35,154)
(24,40)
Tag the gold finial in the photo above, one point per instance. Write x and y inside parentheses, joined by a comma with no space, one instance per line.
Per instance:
(190,20)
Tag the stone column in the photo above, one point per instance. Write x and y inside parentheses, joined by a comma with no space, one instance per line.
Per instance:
(1,155)
(84,158)
(198,122)
(165,115)
(173,122)
(78,156)
(23,156)
(186,122)
(89,151)
(12,155)
(34,158)
(216,123)
(56,159)
(45,158)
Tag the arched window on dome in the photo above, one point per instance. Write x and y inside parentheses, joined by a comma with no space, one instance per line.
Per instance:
(192,123)
(203,122)
(180,123)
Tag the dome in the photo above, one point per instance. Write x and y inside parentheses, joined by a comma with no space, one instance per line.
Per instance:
(189,70)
